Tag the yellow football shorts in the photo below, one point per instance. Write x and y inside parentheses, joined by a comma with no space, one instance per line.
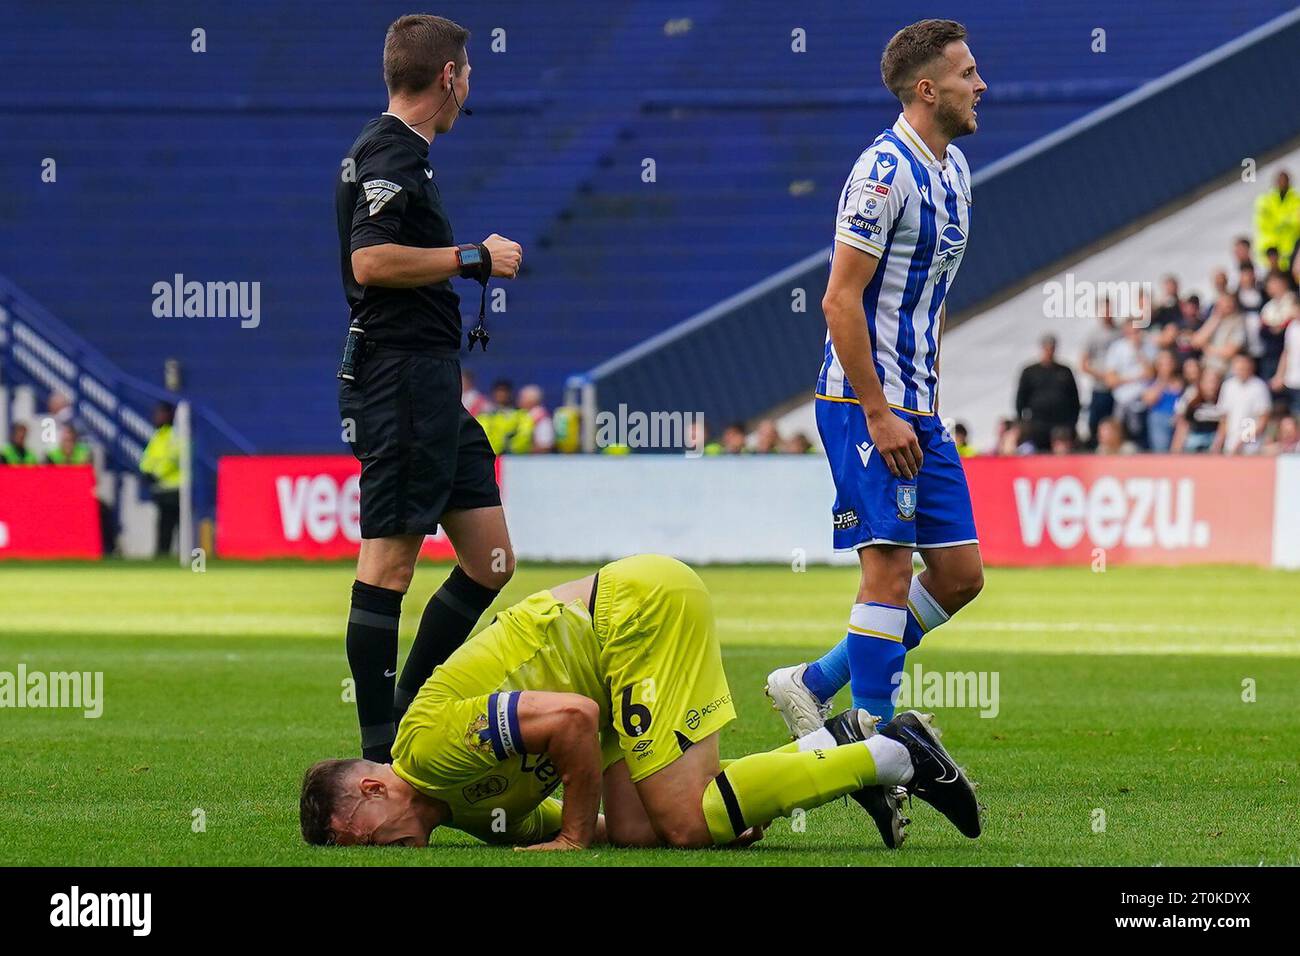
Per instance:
(659,652)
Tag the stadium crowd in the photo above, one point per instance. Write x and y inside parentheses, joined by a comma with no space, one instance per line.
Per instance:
(518,423)
(1219,374)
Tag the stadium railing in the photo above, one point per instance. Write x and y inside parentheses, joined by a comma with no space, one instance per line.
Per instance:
(114,408)
(755,352)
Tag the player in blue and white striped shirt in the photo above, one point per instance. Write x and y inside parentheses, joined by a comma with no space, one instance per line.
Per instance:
(902,229)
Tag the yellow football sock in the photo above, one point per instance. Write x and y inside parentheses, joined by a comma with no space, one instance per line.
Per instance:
(757,789)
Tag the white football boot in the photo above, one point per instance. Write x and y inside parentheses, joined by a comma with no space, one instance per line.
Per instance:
(799,707)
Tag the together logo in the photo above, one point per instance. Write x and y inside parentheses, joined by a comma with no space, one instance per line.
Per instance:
(74,909)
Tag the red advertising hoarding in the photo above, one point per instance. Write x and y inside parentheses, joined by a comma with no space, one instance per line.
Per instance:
(48,511)
(303,506)
(1139,509)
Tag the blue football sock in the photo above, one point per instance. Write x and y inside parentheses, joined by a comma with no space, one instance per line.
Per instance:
(876,653)
(825,676)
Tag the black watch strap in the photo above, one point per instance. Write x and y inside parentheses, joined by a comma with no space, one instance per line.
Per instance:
(477,266)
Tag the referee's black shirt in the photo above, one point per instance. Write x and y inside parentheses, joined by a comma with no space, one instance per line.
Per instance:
(391,196)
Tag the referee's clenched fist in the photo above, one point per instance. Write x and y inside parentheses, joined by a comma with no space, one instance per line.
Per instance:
(425,461)
(507,256)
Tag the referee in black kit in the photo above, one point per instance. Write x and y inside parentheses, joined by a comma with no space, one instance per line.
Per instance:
(424,459)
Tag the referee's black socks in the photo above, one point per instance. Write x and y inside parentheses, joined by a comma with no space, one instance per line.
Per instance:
(372,655)
(448,618)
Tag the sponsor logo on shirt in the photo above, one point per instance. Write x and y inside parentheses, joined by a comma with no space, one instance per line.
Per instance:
(379,192)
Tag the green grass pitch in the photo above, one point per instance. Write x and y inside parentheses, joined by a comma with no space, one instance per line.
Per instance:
(1120,693)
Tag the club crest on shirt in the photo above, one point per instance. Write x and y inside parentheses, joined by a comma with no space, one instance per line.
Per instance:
(379,192)
(906,500)
(477,736)
(952,243)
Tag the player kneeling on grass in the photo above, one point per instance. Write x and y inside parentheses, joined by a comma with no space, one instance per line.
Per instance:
(613,686)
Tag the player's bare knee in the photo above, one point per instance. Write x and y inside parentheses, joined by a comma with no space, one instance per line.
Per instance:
(969,587)
(631,833)
(686,834)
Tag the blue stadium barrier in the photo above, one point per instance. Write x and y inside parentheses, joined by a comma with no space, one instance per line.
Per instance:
(114,409)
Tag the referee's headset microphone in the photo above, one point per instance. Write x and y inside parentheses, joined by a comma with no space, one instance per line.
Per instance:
(451,95)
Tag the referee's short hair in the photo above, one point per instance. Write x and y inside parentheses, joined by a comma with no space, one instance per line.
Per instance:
(911,49)
(416,48)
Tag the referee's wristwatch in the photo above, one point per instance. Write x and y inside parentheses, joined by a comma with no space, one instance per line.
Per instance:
(475,262)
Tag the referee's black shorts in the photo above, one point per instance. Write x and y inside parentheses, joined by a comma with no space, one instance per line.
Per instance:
(422,454)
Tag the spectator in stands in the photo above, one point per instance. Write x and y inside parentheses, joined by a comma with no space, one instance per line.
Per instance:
(1047,396)
(161,466)
(1286,438)
(70,450)
(1273,261)
(1093,366)
(961,438)
(475,402)
(733,439)
(535,432)
(1282,305)
(1128,369)
(1179,338)
(1277,219)
(1063,440)
(1249,295)
(767,440)
(1246,404)
(502,419)
(1168,308)
(1286,379)
(1009,440)
(1241,252)
(15,450)
(1223,335)
(1199,414)
(797,444)
(1111,439)
(1219,280)
(1160,399)
(60,409)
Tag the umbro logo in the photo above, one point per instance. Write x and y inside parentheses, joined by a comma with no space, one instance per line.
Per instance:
(379,192)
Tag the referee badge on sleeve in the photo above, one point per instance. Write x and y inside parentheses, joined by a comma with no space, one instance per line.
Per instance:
(379,191)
